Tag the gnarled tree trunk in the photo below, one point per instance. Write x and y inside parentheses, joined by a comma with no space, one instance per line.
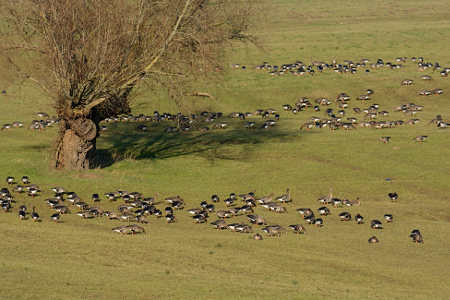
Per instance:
(76,144)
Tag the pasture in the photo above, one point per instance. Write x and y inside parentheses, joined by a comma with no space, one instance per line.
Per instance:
(85,259)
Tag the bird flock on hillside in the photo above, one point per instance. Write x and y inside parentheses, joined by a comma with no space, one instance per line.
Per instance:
(137,209)
(371,116)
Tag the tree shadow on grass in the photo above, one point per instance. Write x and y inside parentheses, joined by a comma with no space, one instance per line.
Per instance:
(125,142)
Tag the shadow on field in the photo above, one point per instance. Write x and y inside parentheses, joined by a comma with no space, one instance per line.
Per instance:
(127,143)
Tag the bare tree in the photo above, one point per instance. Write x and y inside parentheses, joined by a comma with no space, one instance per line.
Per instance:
(90,55)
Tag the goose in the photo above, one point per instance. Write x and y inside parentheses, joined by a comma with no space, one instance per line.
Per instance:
(85,214)
(304,212)
(393,196)
(10,180)
(22,214)
(246,209)
(319,222)
(170,218)
(345,216)
(143,219)
(168,210)
(277,208)
(407,82)
(112,215)
(34,215)
(6,205)
(174,199)
(128,217)
(298,228)
(389,218)
(222,214)
(258,237)
(110,196)
(420,138)
(248,196)
(244,228)
(96,211)
(210,207)
(284,198)
(265,199)
(61,209)
(359,219)
(326,199)
(385,139)
(335,202)
(120,229)
(426,77)
(373,240)
(324,211)
(310,219)
(195,211)
(273,230)
(200,218)
(58,190)
(234,211)
(376,224)
(25,180)
(135,229)
(95,198)
(228,202)
(177,205)
(55,217)
(220,224)
(81,204)
(256,219)
(416,236)
(124,207)
(18,189)
(215,198)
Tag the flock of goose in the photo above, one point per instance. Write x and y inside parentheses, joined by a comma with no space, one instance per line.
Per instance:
(137,209)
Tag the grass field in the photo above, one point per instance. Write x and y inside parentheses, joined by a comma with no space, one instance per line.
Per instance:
(84,259)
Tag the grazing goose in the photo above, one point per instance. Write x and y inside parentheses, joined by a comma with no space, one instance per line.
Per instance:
(298,228)
(258,220)
(220,224)
(120,229)
(228,202)
(177,204)
(58,190)
(376,224)
(345,216)
(195,211)
(393,196)
(95,198)
(168,210)
(135,229)
(143,219)
(25,180)
(258,237)
(222,214)
(273,230)
(248,196)
(128,217)
(55,217)
(234,211)
(324,211)
(210,207)
(18,189)
(416,236)
(170,218)
(385,139)
(34,215)
(389,218)
(215,198)
(420,138)
(233,226)
(112,215)
(200,218)
(10,180)
(359,219)
(373,240)
(246,209)
(284,198)
(310,219)
(244,228)
(85,214)
(22,214)
(61,209)
(319,222)
(305,212)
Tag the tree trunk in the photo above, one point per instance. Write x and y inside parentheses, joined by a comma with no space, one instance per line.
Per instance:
(76,144)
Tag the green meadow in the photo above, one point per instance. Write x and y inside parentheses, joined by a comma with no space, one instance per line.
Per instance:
(85,259)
